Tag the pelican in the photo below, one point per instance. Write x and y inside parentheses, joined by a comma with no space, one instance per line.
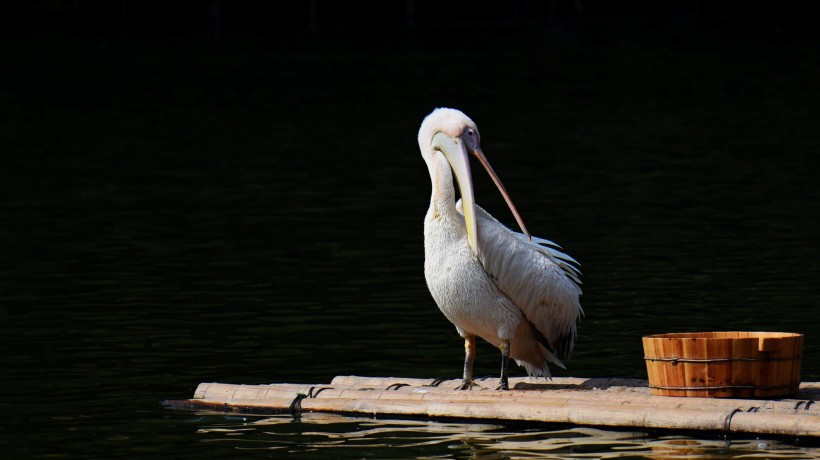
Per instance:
(517,292)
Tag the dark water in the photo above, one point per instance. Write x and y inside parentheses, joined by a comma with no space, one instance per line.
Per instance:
(176,212)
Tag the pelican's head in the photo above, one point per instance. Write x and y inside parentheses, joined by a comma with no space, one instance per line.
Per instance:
(451,133)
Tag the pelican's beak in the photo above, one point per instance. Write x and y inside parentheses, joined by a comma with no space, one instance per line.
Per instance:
(481,158)
(456,152)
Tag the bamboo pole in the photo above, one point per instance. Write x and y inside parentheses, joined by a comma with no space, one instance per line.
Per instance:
(621,391)
(599,402)
(615,395)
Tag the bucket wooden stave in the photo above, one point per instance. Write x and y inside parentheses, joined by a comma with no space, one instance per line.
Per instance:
(724,364)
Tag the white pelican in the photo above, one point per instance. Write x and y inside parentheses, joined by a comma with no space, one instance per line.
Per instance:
(517,292)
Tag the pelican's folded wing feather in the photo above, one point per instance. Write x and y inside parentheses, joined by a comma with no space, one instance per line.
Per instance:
(542,281)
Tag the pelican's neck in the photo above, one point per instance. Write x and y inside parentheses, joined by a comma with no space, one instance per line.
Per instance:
(443,197)
(444,227)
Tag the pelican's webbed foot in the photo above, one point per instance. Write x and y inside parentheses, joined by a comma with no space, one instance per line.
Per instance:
(468,385)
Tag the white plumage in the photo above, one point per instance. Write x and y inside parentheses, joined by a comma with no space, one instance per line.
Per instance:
(519,293)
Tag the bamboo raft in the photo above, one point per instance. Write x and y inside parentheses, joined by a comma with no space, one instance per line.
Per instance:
(602,402)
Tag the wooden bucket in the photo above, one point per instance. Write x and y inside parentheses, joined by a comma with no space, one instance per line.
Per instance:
(724,364)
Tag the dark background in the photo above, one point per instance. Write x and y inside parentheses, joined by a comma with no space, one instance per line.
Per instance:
(375,19)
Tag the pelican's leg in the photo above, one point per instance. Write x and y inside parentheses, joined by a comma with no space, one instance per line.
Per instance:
(503,384)
(469,357)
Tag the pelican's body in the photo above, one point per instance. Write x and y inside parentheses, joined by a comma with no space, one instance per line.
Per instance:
(489,281)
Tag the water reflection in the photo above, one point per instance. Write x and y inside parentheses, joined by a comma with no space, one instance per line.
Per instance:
(317,435)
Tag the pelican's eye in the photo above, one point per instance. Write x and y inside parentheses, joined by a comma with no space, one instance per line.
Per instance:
(472,136)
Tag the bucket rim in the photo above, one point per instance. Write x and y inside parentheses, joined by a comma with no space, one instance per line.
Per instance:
(725,335)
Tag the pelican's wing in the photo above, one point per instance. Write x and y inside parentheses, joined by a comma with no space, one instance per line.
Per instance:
(541,280)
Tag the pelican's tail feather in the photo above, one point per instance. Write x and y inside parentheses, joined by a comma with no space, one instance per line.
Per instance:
(534,371)
(541,369)
(532,351)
